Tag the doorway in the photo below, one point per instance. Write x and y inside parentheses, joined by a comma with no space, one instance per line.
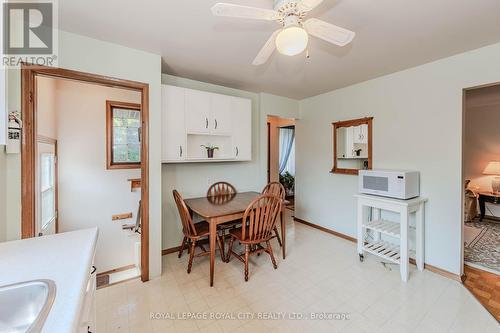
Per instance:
(481,209)
(32,155)
(46,187)
(281,154)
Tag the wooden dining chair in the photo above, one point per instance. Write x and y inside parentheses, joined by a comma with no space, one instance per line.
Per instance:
(223,190)
(277,189)
(193,232)
(260,217)
(220,188)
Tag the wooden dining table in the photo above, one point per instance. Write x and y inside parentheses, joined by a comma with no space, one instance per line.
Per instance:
(218,210)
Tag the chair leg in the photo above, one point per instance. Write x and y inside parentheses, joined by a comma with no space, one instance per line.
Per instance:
(278,236)
(191,255)
(247,249)
(221,248)
(184,240)
(223,234)
(270,251)
(229,249)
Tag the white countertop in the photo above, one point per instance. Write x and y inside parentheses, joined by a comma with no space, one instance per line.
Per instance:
(65,258)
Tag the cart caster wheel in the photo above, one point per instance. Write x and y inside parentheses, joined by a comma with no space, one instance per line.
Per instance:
(361,257)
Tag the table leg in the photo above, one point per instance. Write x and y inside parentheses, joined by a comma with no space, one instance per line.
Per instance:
(404,246)
(283,232)
(482,207)
(420,237)
(213,235)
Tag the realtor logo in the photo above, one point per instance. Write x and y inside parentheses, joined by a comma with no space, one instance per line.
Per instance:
(29,32)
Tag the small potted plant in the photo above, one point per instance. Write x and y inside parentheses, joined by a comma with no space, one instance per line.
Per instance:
(210,150)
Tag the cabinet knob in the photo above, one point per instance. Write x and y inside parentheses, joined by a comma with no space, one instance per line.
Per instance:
(180,151)
(215,123)
(237,151)
(206,122)
(93,270)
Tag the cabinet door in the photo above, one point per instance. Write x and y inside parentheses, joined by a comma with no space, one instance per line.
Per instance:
(242,129)
(364,133)
(356,134)
(221,116)
(350,139)
(197,111)
(173,124)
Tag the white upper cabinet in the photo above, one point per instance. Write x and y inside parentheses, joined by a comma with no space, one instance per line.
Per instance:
(197,111)
(193,119)
(173,124)
(242,129)
(221,115)
(361,134)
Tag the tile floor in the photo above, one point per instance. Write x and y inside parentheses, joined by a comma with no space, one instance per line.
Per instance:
(322,274)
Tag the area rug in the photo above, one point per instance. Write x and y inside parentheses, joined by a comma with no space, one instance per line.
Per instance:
(482,243)
(473,234)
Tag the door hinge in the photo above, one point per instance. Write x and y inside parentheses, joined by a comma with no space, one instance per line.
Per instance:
(31,97)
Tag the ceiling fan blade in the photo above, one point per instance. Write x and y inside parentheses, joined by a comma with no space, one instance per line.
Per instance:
(329,32)
(227,9)
(267,50)
(308,5)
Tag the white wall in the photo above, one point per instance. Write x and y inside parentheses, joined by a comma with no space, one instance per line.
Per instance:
(13,165)
(417,125)
(93,56)
(193,180)
(89,194)
(482,139)
(46,107)
(3,196)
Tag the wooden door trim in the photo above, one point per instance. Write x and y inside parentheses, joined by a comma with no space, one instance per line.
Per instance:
(268,152)
(28,146)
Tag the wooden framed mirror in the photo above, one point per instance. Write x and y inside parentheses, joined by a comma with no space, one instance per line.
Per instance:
(352,146)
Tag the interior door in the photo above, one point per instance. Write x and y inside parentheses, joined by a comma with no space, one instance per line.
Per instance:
(46,184)
(197,108)
(221,115)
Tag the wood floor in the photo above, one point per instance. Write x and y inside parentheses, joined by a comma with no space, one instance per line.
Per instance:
(486,287)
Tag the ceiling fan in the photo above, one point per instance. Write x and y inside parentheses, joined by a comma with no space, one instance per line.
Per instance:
(293,38)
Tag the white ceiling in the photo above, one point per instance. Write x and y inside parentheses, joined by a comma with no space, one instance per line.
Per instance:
(391,35)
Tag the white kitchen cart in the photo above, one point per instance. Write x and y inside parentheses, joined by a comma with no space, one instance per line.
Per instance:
(387,250)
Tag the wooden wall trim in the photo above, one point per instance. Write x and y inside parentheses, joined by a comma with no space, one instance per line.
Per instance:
(348,123)
(170,250)
(329,231)
(431,268)
(28,146)
(110,105)
(115,270)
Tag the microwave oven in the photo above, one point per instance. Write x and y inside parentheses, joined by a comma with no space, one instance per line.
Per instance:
(390,183)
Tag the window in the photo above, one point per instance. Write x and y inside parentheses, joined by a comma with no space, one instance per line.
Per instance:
(123,125)
(47,189)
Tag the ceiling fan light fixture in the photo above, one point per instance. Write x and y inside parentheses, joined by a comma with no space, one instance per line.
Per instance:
(292,40)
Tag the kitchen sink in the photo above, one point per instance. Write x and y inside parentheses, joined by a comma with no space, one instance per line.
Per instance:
(24,306)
